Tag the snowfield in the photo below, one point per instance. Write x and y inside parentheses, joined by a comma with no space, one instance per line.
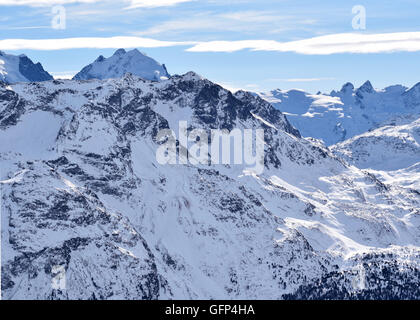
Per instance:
(82,190)
(389,148)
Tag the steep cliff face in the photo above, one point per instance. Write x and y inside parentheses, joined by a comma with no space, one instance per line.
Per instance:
(82,192)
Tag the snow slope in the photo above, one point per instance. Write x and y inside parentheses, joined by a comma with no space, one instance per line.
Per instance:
(392,147)
(391,153)
(21,69)
(343,114)
(122,62)
(88,196)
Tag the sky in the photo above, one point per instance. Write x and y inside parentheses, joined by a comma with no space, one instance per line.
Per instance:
(241,44)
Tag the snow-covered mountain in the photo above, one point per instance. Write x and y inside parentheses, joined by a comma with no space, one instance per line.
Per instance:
(344,114)
(122,62)
(21,69)
(82,192)
(392,147)
(391,153)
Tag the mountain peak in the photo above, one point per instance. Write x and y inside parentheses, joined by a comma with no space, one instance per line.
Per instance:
(135,50)
(122,62)
(120,52)
(412,97)
(348,87)
(191,75)
(100,58)
(396,89)
(366,87)
(416,87)
(21,69)
(344,114)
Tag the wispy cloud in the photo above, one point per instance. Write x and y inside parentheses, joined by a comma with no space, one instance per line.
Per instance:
(26,28)
(132,3)
(76,43)
(254,16)
(63,75)
(323,45)
(301,79)
(38,3)
(155,3)
(240,21)
(235,87)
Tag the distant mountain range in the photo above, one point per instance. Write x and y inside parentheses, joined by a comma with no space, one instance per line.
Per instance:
(332,118)
(15,69)
(343,114)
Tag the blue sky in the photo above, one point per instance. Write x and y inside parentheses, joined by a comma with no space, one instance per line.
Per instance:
(253,45)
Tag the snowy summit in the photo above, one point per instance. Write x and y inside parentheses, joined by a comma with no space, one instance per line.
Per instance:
(20,68)
(122,62)
(341,115)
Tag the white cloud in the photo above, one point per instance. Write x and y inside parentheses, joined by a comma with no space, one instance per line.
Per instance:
(232,87)
(35,3)
(301,79)
(330,44)
(133,3)
(254,16)
(181,25)
(155,3)
(76,43)
(63,75)
(239,21)
(27,28)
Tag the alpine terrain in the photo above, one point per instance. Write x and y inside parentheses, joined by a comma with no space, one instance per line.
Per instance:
(87,212)
(343,114)
(21,69)
(122,62)
(391,147)
(391,152)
